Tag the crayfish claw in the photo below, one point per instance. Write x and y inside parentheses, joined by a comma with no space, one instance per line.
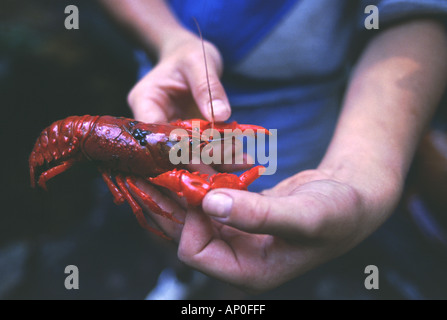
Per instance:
(203,125)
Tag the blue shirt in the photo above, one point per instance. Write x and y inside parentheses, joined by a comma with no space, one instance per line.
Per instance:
(286,63)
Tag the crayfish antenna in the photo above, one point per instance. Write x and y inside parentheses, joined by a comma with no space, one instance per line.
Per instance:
(207,77)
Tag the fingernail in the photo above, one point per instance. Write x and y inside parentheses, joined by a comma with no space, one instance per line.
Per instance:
(218,205)
(221,111)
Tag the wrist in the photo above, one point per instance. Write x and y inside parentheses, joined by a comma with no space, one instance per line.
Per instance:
(174,39)
(378,182)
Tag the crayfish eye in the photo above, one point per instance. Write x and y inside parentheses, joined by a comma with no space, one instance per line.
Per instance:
(137,134)
(140,135)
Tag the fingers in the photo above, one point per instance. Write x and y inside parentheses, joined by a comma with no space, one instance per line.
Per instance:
(148,101)
(201,87)
(201,249)
(167,204)
(231,166)
(197,231)
(220,103)
(162,93)
(246,211)
(320,210)
(179,81)
(289,217)
(246,260)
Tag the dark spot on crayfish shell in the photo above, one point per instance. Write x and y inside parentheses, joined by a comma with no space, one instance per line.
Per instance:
(137,134)
(140,135)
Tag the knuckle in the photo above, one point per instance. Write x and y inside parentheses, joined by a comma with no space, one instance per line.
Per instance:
(315,227)
(131,98)
(182,254)
(256,218)
(185,253)
(311,223)
(203,87)
(193,56)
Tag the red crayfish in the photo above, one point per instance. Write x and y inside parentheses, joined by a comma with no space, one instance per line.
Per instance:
(124,148)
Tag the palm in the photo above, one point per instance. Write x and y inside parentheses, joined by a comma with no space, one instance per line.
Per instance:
(323,210)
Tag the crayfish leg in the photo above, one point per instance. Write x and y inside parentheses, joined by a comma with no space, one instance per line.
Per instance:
(249,176)
(137,209)
(118,197)
(153,206)
(51,173)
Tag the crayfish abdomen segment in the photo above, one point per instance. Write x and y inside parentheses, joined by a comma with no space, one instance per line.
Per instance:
(59,142)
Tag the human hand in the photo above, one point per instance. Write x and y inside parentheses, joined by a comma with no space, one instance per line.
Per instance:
(177,86)
(316,215)
(259,241)
(178,81)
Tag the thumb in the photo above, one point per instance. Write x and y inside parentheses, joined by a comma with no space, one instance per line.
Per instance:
(255,213)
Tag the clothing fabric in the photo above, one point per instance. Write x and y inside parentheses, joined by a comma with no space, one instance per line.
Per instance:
(234,26)
(286,65)
(289,60)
